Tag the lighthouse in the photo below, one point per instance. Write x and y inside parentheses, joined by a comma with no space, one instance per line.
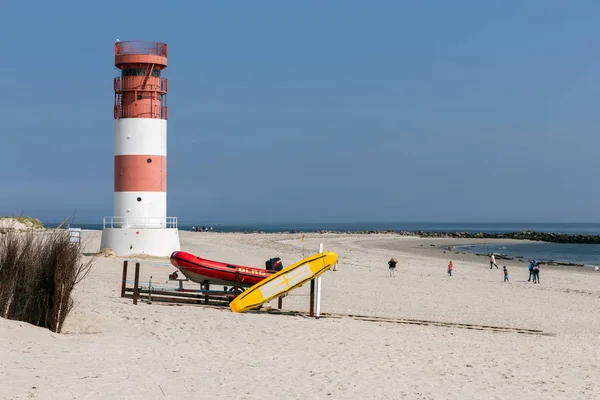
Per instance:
(140,224)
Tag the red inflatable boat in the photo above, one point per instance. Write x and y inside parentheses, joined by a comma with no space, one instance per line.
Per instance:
(201,270)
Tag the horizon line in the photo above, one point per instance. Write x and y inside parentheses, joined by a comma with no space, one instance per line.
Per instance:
(363,222)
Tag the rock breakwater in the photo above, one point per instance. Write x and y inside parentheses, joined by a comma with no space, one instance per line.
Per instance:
(527,235)
(548,237)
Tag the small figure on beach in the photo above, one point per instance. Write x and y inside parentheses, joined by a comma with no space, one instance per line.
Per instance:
(536,272)
(505,274)
(392,264)
(493,261)
(450,268)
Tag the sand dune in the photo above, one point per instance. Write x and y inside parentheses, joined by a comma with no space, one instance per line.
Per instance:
(112,349)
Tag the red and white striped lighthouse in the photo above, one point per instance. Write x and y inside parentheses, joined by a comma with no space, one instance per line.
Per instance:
(140,224)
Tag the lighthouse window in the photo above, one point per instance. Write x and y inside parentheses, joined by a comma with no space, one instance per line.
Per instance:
(149,160)
(139,199)
(139,72)
(145,95)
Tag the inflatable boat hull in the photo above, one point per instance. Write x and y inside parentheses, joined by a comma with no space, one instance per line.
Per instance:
(201,270)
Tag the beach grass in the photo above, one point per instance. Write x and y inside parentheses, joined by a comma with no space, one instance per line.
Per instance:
(38,272)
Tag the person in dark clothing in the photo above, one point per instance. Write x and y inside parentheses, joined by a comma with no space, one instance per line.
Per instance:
(530,268)
(392,264)
(536,273)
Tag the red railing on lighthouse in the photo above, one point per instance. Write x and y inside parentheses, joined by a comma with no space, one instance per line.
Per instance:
(141,47)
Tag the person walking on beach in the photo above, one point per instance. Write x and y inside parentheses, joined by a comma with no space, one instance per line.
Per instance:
(450,268)
(392,263)
(505,274)
(530,268)
(536,273)
(493,260)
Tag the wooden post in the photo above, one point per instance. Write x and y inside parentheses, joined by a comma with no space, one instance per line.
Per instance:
(236,283)
(312,297)
(136,283)
(319,288)
(280,303)
(124,278)
(206,288)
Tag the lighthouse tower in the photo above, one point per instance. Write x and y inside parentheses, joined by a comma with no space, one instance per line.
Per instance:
(140,224)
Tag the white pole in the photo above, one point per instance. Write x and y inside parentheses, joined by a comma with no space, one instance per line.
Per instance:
(319,288)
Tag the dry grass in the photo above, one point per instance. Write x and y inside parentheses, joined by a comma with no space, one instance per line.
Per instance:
(141,256)
(38,272)
(106,252)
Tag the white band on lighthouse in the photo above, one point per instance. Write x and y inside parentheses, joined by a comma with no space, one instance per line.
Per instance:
(139,208)
(135,136)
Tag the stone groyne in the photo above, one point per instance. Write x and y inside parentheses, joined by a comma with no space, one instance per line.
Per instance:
(526,235)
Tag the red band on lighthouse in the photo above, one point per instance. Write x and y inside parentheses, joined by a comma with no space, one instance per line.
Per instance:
(140,173)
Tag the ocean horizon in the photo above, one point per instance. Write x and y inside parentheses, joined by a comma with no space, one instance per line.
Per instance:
(573,228)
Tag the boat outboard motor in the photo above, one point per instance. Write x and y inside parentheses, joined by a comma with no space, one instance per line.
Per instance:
(274,264)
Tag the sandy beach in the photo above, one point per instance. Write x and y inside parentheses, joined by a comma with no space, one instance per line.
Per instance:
(113,349)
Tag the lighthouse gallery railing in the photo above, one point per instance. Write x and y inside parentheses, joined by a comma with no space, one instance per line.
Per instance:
(140,222)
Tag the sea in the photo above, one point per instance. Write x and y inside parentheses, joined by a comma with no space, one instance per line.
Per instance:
(583,254)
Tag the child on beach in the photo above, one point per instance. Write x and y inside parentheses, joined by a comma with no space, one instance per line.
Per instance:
(392,264)
(450,268)
(505,274)
(493,260)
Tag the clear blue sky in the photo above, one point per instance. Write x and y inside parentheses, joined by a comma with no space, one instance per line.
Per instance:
(314,110)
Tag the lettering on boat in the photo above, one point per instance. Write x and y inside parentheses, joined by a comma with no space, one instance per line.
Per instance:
(252,271)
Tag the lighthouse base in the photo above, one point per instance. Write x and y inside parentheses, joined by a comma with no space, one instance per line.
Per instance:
(151,241)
